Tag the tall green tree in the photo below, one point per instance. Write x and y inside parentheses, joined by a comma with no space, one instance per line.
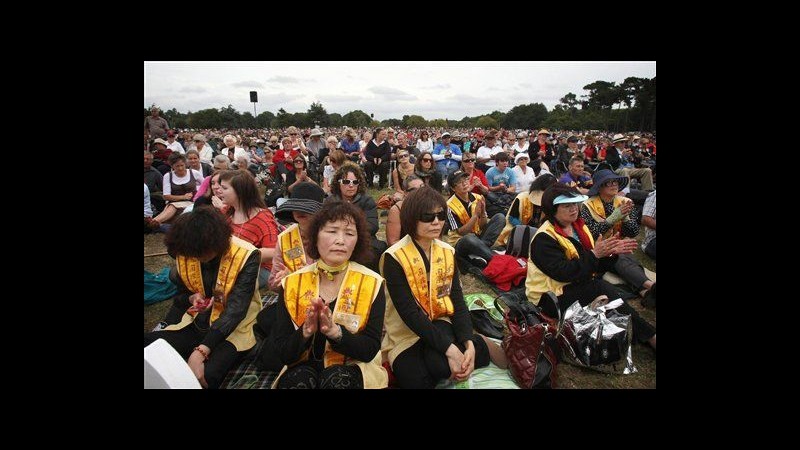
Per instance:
(317,115)
(264,120)
(283,119)
(487,122)
(524,116)
(414,121)
(357,118)
(335,119)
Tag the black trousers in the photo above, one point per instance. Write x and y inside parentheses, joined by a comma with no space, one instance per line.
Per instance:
(587,292)
(421,367)
(222,358)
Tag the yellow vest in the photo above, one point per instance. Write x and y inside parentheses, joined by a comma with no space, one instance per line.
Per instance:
(536,282)
(360,287)
(458,209)
(229,267)
(294,257)
(431,291)
(526,202)
(598,213)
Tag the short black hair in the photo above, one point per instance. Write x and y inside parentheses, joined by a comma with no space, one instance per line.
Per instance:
(199,233)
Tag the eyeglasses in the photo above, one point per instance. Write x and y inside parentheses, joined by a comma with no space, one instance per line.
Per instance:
(427,159)
(468,160)
(611,183)
(428,217)
(402,156)
(349,182)
(299,162)
(292,134)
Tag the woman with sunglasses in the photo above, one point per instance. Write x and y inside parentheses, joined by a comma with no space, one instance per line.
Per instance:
(299,174)
(606,213)
(477,179)
(404,168)
(349,186)
(566,259)
(429,333)
(425,169)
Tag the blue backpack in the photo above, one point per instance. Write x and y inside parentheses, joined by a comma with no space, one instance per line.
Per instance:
(158,287)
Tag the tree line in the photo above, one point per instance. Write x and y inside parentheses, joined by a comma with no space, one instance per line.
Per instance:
(630,105)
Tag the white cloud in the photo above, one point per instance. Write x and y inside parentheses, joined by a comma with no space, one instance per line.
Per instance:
(391,94)
(286,80)
(248,84)
(193,89)
(389,89)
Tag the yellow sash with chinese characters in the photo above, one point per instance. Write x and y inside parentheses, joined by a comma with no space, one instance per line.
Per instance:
(458,209)
(598,213)
(433,297)
(360,286)
(431,294)
(294,257)
(536,282)
(229,267)
(526,201)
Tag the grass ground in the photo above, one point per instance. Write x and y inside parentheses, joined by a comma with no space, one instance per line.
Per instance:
(570,377)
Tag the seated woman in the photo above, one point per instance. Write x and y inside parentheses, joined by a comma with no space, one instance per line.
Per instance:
(217,330)
(179,187)
(249,217)
(565,259)
(606,213)
(410,184)
(330,313)
(209,191)
(477,179)
(349,186)
(283,159)
(299,174)
(425,169)
(429,333)
(404,168)
(526,209)
(336,158)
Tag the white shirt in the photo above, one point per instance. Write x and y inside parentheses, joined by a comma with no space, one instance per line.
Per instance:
(424,146)
(486,152)
(167,190)
(148,210)
(524,180)
(176,147)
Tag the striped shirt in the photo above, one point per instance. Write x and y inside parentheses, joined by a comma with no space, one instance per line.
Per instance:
(261,231)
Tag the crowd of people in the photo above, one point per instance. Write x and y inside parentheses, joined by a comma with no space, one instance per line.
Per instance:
(289,211)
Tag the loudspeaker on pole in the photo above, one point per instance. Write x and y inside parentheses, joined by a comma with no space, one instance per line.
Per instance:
(254,96)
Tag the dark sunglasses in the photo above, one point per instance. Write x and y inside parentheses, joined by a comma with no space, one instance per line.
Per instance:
(349,182)
(428,217)
(468,160)
(427,159)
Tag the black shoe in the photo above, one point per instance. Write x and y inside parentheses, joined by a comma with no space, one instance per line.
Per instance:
(649,300)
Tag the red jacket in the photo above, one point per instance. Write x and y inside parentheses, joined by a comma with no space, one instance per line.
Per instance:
(505,271)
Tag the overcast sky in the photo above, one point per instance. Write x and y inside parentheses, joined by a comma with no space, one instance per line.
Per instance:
(388,89)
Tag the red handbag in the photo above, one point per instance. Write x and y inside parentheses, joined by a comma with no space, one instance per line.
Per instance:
(530,342)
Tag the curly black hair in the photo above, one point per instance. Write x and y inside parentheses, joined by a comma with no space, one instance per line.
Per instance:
(198,234)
